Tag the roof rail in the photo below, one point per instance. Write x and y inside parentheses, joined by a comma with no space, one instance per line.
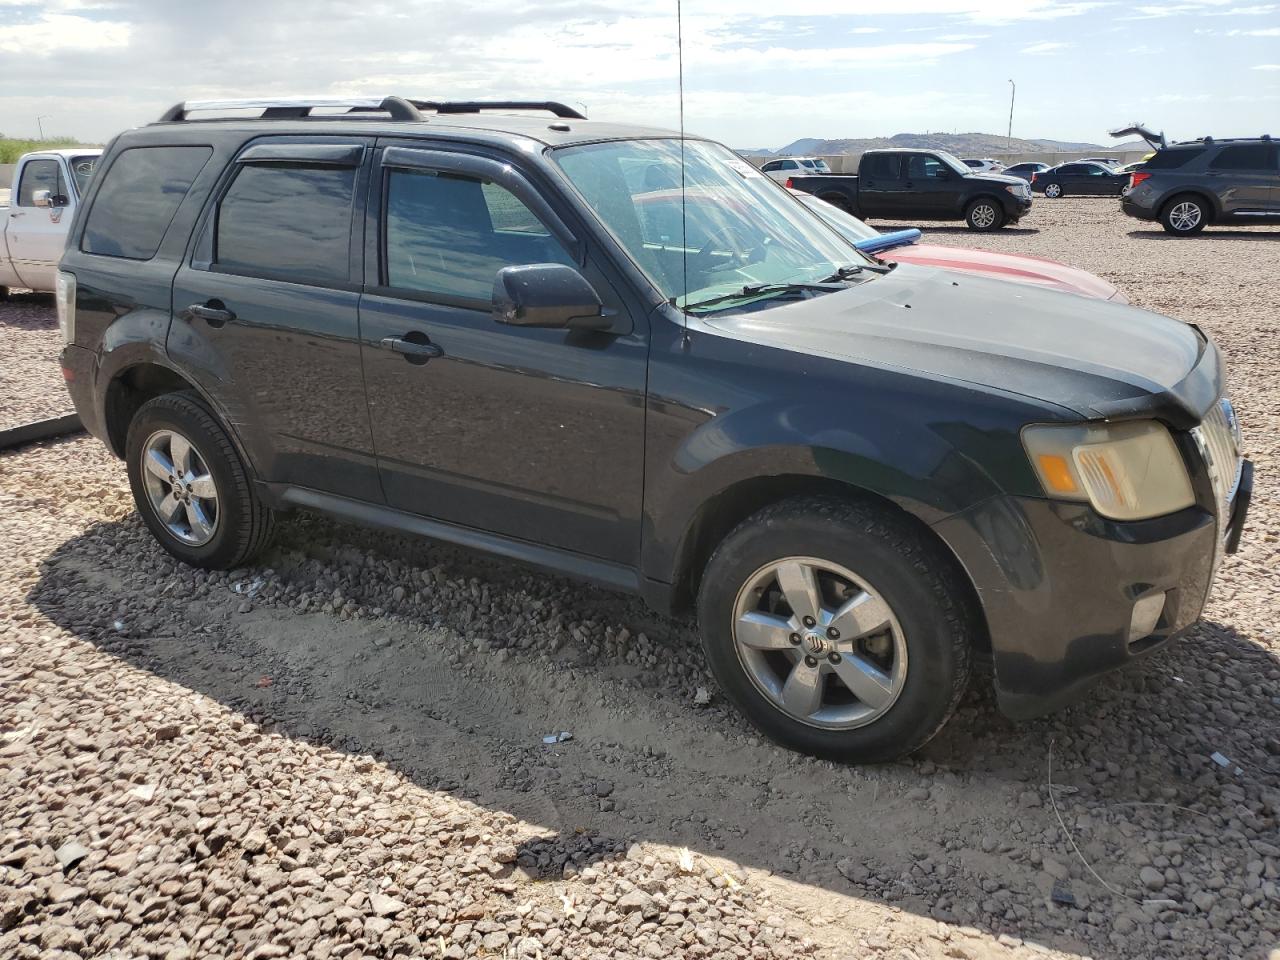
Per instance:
(400,108)
(289,108)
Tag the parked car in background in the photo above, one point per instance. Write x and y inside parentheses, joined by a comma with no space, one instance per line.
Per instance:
(1024,171)
(986,165)
(1128,168)
(922,185)
(1105,161)
(1079,180)
(902,246)
(443,321)
(794,166)
(47,187)
(1188,186)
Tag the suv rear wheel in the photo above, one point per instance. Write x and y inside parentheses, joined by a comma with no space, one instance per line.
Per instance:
(983,215)
(837,628)
(191,487)
(1185,215)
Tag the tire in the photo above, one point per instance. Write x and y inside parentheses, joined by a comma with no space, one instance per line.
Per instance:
(217,520)
(984,215)
(897,576)
(1054,190)
(1185,215)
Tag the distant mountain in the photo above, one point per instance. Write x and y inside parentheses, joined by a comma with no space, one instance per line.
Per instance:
(961,144)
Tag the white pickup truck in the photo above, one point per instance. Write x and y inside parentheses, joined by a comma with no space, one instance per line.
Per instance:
(47,187)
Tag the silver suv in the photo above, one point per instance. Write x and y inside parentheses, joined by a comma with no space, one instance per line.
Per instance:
(1189,185)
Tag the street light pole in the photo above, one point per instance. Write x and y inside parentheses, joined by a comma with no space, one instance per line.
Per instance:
(1013,91)
(40,123)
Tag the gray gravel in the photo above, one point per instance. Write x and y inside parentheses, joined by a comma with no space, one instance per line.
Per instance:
(30,378)
(340,752)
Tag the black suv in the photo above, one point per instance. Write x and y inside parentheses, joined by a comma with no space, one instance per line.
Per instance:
(501,331)
(1188,186)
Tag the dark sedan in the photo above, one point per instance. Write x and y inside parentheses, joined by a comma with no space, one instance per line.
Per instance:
(1086,179)
(1025,171)
(1080,179)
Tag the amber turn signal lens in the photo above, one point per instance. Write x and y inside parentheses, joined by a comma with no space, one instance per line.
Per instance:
(1057,474)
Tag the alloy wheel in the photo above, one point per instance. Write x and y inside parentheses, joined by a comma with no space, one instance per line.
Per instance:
(1053,190)
(983,216)
(1185,215)
(181,489)
(820,643)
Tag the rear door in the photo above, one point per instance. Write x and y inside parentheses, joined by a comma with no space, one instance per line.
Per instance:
(534,434)
(1244,176)
(267,305)
(882,184)
(37,235)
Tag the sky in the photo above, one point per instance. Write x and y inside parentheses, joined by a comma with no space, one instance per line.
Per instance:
(755,74)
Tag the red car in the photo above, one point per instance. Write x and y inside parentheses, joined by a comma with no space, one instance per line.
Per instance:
(901,247)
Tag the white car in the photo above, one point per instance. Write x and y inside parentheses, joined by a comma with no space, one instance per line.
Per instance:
(47,187)
(985,165)
(786,167)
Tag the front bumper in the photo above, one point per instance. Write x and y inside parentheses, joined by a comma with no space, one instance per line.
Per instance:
(1015,208)
(1058,584)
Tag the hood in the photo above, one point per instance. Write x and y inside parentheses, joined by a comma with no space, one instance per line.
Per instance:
(1014,267)
(995,178)
(1093,357)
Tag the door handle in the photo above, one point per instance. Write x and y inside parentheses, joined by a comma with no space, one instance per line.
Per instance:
(415,347)
(910,184)
(215,312)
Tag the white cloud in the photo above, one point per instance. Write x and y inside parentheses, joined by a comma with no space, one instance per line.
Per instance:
(1046,47)
(55,32)
(1264,32)
(1267,66)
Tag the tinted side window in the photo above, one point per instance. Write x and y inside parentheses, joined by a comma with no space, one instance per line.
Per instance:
(136,202)
(287,222)
(40,175)
(771,165)
(1172,159)
(1245,156)
(886,166)
(920,167)
(1070,170)
(450,235)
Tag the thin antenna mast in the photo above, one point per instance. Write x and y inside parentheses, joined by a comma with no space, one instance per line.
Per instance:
(684,233)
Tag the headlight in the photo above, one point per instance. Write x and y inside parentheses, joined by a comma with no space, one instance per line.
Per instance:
(1127,471)
(1018,189)
(64,295)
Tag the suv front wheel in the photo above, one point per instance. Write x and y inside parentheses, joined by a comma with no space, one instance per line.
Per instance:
(983,215)
(1184,215)
(191,487)
(838,628)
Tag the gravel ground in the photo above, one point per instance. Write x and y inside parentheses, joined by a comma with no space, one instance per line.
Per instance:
(340,752)
(30,380)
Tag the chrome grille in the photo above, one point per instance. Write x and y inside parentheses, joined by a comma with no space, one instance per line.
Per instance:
(1218,437)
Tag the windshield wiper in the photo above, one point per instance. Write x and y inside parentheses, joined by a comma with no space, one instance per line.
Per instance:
(770,289)
(853,269)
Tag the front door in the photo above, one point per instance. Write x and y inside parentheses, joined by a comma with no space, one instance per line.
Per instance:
(37,235)
(535,434)
(929,180)
(266,310)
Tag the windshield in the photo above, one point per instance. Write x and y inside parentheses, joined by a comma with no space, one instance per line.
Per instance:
(846,224)
(739,227)
(821,166)
(82,169)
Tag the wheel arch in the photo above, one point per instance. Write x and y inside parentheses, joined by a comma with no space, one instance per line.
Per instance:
(1205,196)
(721,513)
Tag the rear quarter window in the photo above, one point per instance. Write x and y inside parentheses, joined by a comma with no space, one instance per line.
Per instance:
(1172,159)
(140,193)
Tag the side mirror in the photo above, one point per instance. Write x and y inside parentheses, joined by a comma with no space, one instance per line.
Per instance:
(547,295)
(42,198)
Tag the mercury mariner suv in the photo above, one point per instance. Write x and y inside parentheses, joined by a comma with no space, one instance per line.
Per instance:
(503,325)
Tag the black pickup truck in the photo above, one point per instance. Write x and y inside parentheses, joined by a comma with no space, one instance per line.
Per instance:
(922,185)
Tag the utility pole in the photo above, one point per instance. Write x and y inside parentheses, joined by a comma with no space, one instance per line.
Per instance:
(1013,90)
(40,123)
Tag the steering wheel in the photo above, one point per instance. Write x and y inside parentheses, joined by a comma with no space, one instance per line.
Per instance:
(705,253)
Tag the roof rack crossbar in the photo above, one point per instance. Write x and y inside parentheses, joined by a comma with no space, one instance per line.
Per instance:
(297,107)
